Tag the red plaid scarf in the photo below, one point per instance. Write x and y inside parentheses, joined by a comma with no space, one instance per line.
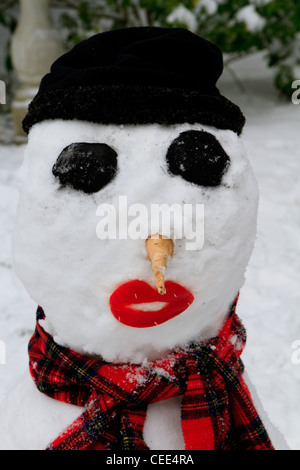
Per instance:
(217,410)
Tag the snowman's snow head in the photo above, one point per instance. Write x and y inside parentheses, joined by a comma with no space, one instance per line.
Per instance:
(90,186)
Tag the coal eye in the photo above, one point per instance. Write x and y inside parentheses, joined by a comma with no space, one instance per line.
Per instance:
(86,166)
(197,157)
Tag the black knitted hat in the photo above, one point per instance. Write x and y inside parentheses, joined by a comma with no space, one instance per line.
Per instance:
(137,76)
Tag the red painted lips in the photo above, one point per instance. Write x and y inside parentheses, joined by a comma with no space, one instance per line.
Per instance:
(125,299)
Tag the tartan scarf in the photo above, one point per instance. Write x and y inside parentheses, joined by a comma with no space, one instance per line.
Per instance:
(217,411)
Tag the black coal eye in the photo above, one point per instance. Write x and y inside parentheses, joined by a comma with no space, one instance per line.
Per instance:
(86,166)
(197,157)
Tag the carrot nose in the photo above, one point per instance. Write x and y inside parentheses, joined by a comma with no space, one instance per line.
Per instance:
(158,250)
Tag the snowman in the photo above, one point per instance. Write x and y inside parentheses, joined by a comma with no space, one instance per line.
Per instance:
(137,343)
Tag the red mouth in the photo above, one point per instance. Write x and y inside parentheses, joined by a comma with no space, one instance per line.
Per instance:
(125,300)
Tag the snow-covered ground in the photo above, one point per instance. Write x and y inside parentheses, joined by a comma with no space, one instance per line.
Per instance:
(270,300)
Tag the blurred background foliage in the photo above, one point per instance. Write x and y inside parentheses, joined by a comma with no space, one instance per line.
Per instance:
(238,27)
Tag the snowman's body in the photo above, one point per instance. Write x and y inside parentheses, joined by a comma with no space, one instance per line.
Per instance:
(71,267)
(31,420)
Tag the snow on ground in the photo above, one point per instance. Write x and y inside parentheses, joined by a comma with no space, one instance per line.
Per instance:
(270,300)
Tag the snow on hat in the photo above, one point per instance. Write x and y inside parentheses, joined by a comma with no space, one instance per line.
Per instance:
(137,75)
